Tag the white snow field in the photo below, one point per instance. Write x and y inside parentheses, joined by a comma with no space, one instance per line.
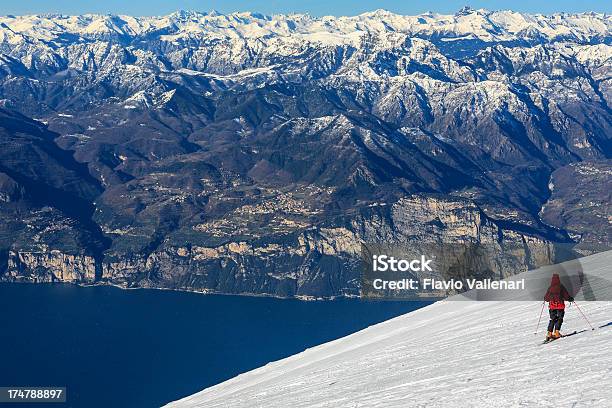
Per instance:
(449,354)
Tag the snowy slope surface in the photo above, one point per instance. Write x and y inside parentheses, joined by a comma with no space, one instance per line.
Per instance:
(449,354)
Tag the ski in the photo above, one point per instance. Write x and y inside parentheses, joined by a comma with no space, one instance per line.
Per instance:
(564,335)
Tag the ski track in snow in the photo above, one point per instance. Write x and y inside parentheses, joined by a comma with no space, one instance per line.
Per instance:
(449,354)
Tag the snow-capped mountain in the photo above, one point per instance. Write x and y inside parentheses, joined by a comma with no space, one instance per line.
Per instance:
(283,141)
(449,354)
(467,23)
(229,44)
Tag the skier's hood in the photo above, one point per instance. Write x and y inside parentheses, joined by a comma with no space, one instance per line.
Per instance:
(555,279)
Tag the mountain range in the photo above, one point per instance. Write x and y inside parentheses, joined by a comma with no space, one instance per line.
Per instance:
(245,153)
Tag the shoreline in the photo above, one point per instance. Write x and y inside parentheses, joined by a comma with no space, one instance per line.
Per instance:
(302,298)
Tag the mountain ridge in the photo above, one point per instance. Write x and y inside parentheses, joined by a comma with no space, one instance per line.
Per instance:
(493,22)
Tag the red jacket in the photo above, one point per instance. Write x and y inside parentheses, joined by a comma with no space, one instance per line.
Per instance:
(556,295)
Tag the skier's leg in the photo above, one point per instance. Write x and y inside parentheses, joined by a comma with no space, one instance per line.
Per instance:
(551,322)
(559,322)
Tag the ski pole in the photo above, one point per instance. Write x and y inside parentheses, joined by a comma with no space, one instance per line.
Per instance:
(540,318)
(585,318)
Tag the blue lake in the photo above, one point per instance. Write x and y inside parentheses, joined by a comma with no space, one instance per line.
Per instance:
(144,348)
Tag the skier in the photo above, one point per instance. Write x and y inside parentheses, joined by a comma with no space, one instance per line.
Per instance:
(556,295)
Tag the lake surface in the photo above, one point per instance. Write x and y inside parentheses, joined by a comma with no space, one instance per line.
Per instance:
(143,348)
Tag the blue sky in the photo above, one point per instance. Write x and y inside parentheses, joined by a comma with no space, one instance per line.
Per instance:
(314,7)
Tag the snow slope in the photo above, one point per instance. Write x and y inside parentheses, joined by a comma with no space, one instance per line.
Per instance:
(449,354)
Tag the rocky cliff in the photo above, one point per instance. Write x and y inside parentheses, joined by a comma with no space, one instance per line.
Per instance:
(308,262)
